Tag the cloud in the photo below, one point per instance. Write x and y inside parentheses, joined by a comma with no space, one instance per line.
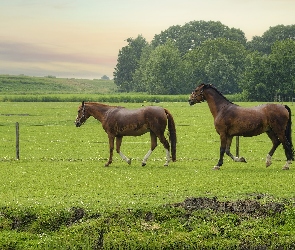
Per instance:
(25,52)
(22,58)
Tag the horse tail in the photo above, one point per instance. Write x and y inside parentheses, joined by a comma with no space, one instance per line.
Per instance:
(172,134)
(288,133)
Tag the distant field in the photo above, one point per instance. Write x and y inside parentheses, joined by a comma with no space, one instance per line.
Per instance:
(48,89)
(50,85)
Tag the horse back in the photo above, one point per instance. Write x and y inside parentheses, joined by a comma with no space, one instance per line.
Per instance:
(277,114)
(250,121)
(131,115)
(123,121)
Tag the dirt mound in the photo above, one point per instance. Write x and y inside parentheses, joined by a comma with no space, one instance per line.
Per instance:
(241,207)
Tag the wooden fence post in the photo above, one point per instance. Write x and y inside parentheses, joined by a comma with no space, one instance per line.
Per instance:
(17,140)
(237,146)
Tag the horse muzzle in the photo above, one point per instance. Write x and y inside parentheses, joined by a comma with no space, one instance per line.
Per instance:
(191,102)
(78,124)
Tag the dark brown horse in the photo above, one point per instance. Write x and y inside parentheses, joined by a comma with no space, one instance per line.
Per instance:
(232,120)
(118,122)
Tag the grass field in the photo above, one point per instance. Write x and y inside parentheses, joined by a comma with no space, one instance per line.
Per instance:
(59,194)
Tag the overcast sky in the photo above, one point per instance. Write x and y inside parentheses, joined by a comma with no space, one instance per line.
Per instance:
(82,38)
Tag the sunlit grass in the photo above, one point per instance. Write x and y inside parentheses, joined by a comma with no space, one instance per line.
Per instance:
(61,165)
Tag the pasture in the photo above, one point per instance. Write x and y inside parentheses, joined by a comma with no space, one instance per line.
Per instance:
(61,168)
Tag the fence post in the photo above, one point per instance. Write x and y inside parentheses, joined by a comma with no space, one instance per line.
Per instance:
(237,146)
(17,140)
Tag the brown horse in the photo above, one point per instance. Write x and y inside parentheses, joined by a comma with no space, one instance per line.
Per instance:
(232,120)
(119,121)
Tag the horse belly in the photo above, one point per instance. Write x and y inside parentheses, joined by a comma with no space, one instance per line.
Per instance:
(137,132)
(134,131)
(252,133)
(251,129)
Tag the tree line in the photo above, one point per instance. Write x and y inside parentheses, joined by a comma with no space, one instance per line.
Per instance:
(181,57)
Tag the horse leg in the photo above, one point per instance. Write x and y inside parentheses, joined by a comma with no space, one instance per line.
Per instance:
(166,145)
(275,143)
(225,143)
(118,145)
(221,152)
(111,145)
(288,151)
(153,146)
(167,148)
(227,151)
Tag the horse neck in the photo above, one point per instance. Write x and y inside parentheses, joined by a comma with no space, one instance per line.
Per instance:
(215,101)
(98,110)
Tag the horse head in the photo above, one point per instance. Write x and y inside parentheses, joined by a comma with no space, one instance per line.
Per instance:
(197,95)
(82,115)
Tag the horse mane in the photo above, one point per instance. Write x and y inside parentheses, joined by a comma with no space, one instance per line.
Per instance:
(213,87)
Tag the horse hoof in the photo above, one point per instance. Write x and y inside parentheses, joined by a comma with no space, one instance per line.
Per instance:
(143,164)
(242,159)
(129,161)
(285,168)
(268,161)
(216,168)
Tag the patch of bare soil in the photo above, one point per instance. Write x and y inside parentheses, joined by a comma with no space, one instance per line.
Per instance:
(246,207)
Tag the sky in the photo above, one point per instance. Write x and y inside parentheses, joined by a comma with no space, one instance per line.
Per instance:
(82,38)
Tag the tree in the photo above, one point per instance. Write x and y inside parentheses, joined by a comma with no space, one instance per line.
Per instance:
(222,73)
(163,72)
(268,76)
(282,59)
(277,33)
(140,79)
(181,57)
(257,82)
(127,63)
(218,61)
(104,77)
(194,33)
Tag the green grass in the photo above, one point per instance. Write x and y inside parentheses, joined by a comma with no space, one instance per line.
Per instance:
(61,170)
(113,98)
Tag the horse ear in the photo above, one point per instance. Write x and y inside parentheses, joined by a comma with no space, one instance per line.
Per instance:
(82,103)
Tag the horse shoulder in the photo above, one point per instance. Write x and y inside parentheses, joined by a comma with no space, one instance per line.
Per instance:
(110,118)
(227,113)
